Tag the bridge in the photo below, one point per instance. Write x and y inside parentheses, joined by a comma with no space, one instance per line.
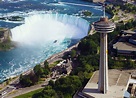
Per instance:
(98,7)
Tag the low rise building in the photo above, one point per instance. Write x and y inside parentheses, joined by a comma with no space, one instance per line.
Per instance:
(118,85)
(63,67)
(121,85)
(125,44)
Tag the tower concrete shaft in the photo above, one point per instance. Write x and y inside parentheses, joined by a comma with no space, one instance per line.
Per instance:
(103,67)
(103,26)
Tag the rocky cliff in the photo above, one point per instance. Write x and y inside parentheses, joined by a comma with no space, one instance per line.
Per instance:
(5,39)
(5,35)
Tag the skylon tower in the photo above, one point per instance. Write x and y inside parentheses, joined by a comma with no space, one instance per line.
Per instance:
(103,26)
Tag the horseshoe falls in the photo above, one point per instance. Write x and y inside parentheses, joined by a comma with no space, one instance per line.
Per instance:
(35,38)
(42,28)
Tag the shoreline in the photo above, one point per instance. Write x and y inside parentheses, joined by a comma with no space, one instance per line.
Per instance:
(53,58)
(50,60)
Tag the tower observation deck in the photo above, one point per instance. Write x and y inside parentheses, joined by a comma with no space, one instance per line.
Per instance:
(104,25)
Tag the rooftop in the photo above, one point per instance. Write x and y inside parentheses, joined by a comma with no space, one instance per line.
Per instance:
(124,46)
(118,82)
(127,41)
(128,32)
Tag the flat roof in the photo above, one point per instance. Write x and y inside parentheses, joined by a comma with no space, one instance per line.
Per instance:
(133,36)
(118,83)
(128,32)
(124,46)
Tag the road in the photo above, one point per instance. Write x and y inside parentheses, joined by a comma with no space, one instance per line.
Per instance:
(5,91)
(8,88)
(21,91)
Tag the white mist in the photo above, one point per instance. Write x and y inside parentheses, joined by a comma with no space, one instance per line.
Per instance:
(49,27)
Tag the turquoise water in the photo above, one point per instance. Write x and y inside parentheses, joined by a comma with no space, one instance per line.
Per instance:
(45,22)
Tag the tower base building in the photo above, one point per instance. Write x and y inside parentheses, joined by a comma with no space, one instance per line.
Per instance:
(118,85)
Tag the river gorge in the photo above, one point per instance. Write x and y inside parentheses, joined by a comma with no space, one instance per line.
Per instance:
(46,30)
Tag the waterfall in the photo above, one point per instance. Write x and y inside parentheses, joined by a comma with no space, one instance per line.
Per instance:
(45,27)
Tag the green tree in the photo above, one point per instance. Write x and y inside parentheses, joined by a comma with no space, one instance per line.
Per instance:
(60,94)
(38,70)
(81,75)
(72,83)
(87,75)
(51,83)
(130,64)
(73,53)
(47,92)
(25,80)
(87,46)
(46,71)
(87,67)
(46,64)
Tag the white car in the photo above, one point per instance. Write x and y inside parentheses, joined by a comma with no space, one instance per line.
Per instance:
(3,93)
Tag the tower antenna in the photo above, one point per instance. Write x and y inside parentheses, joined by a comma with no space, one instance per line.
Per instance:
(103,5)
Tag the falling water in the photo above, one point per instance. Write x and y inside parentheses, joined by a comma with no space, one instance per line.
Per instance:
(49,27)
(36,41)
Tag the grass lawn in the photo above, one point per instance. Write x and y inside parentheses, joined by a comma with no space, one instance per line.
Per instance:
(30,94)
(116,18)
(87,13)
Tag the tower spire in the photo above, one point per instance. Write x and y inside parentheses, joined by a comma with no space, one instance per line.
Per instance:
(103,5)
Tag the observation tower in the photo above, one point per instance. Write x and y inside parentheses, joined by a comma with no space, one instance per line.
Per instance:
(103,26)
(100,85)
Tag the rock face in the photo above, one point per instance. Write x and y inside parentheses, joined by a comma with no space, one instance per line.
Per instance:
(5,35)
